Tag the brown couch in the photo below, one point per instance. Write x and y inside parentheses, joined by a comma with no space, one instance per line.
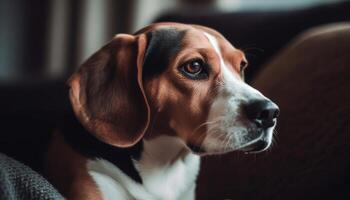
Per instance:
(310,81)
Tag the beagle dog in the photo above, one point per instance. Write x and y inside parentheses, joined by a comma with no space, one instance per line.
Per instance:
(146,106)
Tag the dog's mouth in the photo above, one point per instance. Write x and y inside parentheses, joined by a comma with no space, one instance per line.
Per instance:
(255,141)
(256,147)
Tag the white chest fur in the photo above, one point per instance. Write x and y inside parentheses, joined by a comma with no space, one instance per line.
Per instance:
(167,169)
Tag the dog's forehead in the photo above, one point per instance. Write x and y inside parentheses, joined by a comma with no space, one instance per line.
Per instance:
(197,35)
(192,30)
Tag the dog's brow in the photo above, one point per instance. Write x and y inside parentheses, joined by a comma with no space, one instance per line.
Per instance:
(214,43)
(224,68)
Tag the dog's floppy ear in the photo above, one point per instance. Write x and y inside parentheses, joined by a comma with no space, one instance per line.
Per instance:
(107,93)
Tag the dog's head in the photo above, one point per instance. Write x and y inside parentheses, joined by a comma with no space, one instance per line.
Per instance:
(174,79)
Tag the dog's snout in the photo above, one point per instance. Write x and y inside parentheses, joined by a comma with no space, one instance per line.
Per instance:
(262,112)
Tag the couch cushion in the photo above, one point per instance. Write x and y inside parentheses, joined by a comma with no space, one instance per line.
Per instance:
(310,159)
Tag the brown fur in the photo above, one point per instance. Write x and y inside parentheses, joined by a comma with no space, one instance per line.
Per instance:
(67,170)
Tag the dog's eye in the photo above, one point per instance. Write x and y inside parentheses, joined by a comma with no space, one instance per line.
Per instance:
(194,69)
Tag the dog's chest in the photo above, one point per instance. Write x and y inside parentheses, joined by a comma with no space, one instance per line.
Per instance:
(161,178)
(171,181)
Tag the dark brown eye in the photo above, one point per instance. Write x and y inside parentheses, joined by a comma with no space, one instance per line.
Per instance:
(194,69)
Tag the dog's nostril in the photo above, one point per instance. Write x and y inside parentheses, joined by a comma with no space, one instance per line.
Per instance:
(268,114)
(262,112)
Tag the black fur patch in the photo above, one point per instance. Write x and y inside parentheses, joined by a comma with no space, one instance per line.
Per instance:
(86,144)
(163,45)
(196,149)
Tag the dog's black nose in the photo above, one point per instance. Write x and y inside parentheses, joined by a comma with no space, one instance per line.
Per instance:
(262,112)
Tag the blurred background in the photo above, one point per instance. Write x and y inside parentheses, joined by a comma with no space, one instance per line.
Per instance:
(43,41)
(47,39)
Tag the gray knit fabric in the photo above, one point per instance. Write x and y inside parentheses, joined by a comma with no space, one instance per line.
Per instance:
(18,181)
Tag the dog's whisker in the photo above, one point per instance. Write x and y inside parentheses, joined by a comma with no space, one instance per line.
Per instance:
(206,123)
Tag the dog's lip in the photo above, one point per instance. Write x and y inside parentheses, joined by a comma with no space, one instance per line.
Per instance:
(256,147)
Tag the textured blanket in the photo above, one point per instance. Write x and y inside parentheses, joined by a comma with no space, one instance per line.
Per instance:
(18,181)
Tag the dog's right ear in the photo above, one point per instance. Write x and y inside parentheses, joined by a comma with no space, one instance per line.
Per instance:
(107,93)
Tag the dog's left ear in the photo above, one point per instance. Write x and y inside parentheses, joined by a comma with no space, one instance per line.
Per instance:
(107,93)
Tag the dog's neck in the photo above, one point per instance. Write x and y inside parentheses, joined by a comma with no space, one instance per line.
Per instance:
(164,150)
(168,169)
